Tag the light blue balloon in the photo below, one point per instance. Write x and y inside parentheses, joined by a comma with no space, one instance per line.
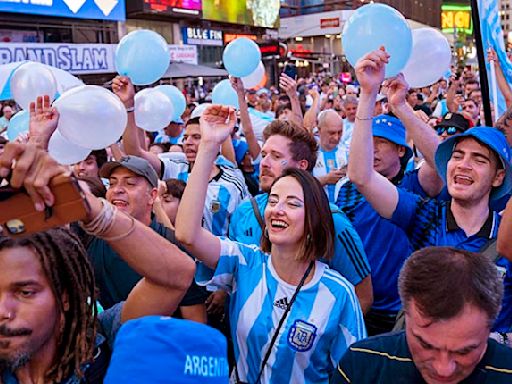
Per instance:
(143,56)
(224,94)
(18,124)
(372,26)
(177,99)
(241,57)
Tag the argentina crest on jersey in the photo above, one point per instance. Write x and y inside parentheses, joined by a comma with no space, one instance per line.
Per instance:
(301,336)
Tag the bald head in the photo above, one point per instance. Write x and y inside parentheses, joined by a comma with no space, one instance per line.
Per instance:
(330,127)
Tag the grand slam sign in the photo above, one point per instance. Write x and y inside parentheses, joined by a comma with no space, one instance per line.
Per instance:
(80,58)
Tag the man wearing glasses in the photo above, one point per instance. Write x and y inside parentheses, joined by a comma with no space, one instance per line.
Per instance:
(452,124)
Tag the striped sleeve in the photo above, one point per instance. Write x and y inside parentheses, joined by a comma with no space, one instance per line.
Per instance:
(349,256)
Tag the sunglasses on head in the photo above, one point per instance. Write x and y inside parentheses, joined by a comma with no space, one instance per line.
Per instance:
(448,130)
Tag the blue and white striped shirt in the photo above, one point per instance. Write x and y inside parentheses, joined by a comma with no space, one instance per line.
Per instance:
(324,320)
(225,191)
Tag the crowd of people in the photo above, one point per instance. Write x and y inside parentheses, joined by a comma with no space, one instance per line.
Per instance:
(321,233)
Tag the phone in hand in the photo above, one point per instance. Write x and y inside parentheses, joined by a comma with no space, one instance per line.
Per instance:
(18,216)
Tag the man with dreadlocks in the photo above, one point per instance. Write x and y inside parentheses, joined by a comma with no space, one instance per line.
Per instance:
(49,327)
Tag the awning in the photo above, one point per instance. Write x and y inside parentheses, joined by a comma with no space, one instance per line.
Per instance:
(179,69)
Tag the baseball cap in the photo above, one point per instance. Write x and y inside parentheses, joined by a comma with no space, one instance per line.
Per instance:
(456,120)
(392,129)
(156,350)
(135,164)
(489,137)
(198,111)
(178,120)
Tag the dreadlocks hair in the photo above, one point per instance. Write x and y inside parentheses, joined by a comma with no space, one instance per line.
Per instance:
(67,268)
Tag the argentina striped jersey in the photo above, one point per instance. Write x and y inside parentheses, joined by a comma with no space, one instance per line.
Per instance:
(225,191)
(324,320)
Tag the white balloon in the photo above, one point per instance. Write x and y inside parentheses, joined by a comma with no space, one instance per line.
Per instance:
(31,80)
(254,78)
(153,110)
(64,151)
(430,58)
(91,116)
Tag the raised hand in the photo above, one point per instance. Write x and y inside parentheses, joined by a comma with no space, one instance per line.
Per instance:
(237,85)
(370,70)
(43,121)
(217,123)
(122,86)
(397,91)
(288,84)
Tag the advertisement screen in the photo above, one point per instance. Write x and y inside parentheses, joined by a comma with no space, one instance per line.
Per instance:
(168,5)
(259,13)
(82,9)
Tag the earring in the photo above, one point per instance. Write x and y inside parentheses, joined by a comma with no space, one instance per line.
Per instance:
(265,233)
(308,239)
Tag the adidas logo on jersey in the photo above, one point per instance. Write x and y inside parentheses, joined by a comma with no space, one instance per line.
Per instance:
(281,303)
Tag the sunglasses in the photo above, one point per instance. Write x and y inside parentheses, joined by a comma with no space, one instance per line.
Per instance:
(449,130)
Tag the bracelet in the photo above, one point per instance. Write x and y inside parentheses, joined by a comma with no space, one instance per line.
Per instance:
(364,118)
(103,222)
(131,109)
(122,235)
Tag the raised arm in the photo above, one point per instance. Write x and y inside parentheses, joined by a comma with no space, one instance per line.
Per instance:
(500,77)
(290,87)
(216,125)
(132,144)
(43,122)
(378,190)
(310,117)
(504,243)
(245,119)
(167,272)
(421,133)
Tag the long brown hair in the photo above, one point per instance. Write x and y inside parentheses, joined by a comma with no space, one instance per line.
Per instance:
(318,239)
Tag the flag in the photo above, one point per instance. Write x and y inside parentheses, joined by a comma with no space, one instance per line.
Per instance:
(492,36)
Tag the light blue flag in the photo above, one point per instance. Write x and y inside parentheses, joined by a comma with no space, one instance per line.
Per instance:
(492,36)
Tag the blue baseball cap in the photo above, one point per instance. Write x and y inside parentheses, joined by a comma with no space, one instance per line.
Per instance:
(489,137)
(241,148)
(161,350)
(178,120)
(392,129)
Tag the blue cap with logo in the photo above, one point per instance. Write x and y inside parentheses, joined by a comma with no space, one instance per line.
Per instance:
(489,137)
(392,129)
(158,350)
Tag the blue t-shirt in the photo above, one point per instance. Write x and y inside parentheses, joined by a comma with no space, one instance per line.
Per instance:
(349,258)
(323,322)
(429,222)
(386,245)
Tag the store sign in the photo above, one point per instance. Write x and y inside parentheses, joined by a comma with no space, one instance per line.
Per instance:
(80,58)
(228,37)
(456,17)
(82,9)
(273,49)
(330,23)
(184,53)
(200,36)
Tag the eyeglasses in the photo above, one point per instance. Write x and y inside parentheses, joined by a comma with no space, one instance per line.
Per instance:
(449,130)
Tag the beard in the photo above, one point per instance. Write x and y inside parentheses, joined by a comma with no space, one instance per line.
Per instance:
(17,359)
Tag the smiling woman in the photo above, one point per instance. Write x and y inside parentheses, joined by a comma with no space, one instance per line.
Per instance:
(288,307)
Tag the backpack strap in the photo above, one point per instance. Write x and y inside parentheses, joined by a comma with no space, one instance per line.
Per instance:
(257,213)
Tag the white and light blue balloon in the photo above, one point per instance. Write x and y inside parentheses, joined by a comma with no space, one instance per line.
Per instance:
(224,94)
(241,57)
(64,151)
(372,26)
(254,78)
(18,125)
(143,56)
(179,103)
(91,116)
(153,110)
(31,80)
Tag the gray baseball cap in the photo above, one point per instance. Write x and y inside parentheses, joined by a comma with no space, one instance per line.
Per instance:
(135,164)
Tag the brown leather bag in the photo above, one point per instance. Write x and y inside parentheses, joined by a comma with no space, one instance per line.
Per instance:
(18,216)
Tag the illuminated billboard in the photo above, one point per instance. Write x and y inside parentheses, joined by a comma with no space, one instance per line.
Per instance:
(168,5)
(259,13)
(456,18)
